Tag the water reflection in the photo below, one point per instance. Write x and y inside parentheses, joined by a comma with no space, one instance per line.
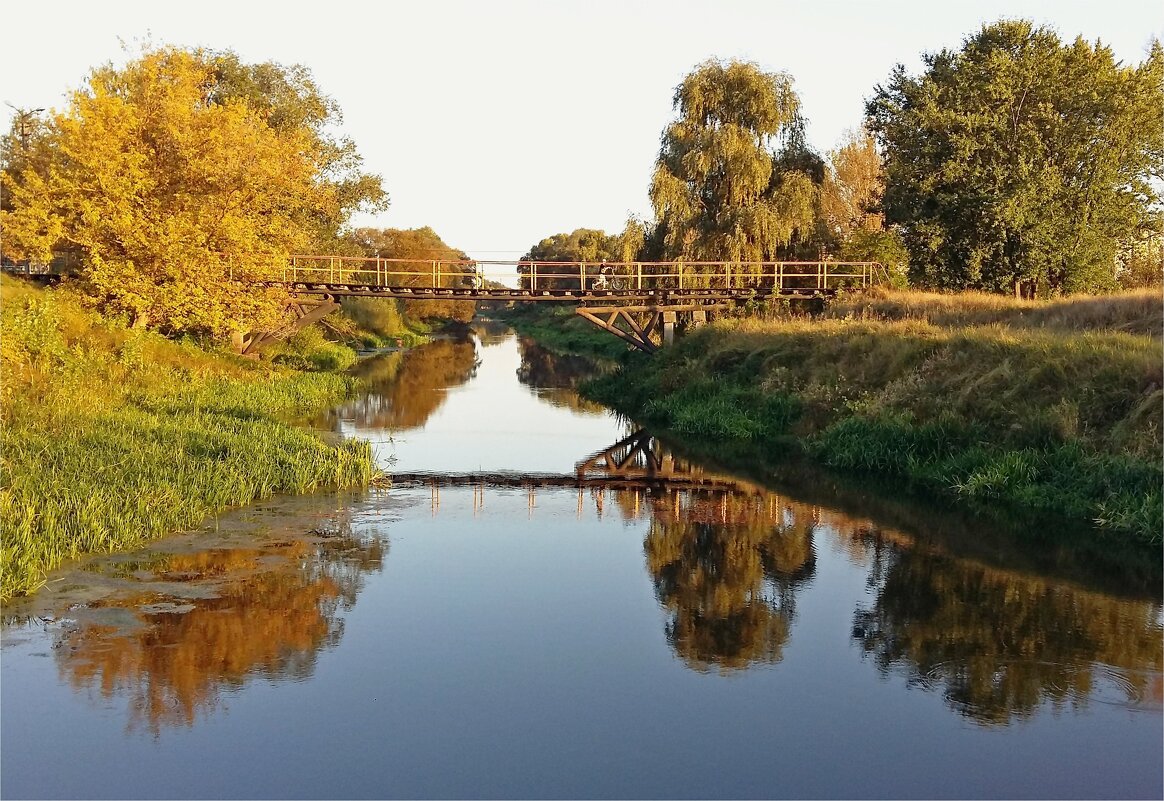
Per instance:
(728,557)
(206,622)
(997,643)
(407,387)
(729,588)
(490,332)
(556,377)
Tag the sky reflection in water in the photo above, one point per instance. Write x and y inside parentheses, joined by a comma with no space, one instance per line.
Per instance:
(703,636)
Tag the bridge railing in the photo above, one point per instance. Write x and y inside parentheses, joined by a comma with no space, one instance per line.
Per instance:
(548,276)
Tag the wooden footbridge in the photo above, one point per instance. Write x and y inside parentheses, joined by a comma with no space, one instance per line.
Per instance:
(638,302)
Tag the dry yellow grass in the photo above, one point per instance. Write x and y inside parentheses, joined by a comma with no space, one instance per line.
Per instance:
(1139,311)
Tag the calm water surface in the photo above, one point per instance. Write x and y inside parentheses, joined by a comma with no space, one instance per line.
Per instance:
(702,636)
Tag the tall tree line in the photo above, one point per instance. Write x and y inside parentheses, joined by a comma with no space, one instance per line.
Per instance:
(1018,163)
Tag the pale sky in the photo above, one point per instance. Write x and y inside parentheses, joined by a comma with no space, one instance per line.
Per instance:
(502,122)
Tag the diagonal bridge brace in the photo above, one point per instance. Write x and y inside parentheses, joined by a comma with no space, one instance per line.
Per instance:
(634,334)
(660,319)
(305,312)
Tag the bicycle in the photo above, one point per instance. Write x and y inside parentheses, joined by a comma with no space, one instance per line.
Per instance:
(607,280)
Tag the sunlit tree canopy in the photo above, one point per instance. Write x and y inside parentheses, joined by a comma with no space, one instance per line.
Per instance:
(717,191)
(180,178)
(1020,162)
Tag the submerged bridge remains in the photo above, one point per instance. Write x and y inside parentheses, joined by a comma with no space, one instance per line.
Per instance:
(639,302)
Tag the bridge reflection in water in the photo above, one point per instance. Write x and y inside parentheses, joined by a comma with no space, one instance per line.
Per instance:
(727,560)
(639,465)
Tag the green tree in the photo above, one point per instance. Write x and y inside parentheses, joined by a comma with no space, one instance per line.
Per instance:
(718,191)
(1020,162)
(156,170)
(419,248)
(581,245)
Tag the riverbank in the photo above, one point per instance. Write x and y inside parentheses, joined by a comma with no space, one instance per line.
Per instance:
(1042,409)
(113,436)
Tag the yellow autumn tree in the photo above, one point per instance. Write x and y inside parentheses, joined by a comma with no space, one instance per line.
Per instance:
(852,186)
(181,180)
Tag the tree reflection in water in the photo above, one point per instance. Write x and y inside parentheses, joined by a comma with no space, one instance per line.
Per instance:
(556,376)
(271,611)
(406,387)
(998,643)
(726,568)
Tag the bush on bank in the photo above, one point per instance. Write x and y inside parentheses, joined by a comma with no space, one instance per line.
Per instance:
(1044,419)
(112,436)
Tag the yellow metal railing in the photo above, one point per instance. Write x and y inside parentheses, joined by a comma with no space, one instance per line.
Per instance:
(549,276)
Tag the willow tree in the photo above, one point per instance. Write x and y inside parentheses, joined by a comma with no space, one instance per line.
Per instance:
(716,191)
(154,170)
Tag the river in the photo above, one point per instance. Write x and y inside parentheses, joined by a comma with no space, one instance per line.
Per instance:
(670,628)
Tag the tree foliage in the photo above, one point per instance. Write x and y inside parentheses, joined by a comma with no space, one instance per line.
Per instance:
(1019,161)
(155,170)
(853,186)
(580,245)
(420,247)
(719,191)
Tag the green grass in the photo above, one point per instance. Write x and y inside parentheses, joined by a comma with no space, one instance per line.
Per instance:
(1040,419)
(112,436)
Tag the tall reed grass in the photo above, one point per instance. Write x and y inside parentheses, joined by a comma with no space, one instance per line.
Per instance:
(113,436)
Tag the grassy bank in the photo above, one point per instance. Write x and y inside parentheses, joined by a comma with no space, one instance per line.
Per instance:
(1062,417)
(112,436)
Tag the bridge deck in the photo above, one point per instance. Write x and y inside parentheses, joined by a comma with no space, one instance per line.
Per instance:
(626,282)
(546,295)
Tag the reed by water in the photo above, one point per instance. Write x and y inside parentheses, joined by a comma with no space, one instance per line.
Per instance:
(112,436)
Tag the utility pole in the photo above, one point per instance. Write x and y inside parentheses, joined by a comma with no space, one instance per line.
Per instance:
(23,116)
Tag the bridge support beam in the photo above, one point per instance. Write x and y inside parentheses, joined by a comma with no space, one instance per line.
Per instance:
(305,314)
(657,321)
(669,327)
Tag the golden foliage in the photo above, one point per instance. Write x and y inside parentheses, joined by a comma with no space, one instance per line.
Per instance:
(272,611)
(155,171)
(405,388)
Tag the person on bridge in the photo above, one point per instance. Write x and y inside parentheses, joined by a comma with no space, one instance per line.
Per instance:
(603,279)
